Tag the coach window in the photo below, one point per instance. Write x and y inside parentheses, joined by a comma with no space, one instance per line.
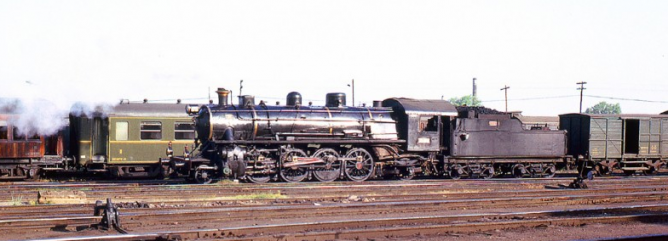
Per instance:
(121,131)
(184,131)
(16,134)
(33,137)
(151,130)
(4,133)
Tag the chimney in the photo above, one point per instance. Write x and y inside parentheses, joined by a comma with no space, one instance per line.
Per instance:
(475,89)
(222,96)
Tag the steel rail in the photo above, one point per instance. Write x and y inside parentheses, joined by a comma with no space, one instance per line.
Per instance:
(404,226)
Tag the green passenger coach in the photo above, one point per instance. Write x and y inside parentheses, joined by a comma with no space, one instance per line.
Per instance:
(130,139)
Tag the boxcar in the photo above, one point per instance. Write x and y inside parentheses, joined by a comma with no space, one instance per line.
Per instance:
(632,143)
(130,139)
(23,156)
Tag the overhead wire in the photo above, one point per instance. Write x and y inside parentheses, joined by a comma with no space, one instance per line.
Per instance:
(628,99)
(568,96)
(534,98)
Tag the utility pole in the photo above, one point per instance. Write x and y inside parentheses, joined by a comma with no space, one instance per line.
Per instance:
(581,89)
(505,89)
(353,86)
(475,88)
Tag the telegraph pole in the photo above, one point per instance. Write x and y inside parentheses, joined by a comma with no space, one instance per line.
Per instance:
(581,89)
(353,86)
(505,89)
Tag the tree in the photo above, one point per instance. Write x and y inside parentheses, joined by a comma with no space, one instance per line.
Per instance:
(467,100)
(604,108)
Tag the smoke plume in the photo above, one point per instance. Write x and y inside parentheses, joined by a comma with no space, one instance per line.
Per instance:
(45,110)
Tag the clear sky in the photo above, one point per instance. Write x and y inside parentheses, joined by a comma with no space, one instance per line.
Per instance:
(103,51)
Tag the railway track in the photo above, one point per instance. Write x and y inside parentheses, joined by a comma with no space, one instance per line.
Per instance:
(408,226)
(325,204)
(139,218)
(15,212)
(134,192)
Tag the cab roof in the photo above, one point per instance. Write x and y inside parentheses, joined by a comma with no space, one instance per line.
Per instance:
(421,106)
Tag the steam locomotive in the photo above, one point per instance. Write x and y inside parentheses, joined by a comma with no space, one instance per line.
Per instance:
(395,138)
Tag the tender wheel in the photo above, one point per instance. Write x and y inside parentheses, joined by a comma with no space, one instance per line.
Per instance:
(34,173)
(651,171)
(603,170)
(549,172)
(487,172)
(519,171)
(331,169)
(456,172)
(203,174)
(258,178)
(360,166)
(294,173)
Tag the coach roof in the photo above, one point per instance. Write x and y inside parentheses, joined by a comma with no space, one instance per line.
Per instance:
(135,110)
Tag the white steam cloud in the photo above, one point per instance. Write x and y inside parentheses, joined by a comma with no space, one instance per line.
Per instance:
(43,109)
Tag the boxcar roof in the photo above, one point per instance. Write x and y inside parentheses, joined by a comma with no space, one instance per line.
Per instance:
(424,107)
(622,116)
(536,119)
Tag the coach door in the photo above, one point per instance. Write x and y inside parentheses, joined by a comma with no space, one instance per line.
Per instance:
(100,137)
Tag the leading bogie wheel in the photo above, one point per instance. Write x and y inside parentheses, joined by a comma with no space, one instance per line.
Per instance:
(203,174)
(331,169)
(407,174)
(359,165)
(293,173)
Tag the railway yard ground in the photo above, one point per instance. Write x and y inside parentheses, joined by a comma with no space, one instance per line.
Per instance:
(612,208)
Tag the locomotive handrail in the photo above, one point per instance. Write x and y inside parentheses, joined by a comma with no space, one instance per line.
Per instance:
(308,134)
(309,141)
(306,111)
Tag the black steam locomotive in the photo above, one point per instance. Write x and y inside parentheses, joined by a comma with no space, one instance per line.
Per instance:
(396,138)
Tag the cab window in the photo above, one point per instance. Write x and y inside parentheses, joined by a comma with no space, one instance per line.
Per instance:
(428,123)
(151,130)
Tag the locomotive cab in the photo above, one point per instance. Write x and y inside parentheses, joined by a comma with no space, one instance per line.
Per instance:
(421,122)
